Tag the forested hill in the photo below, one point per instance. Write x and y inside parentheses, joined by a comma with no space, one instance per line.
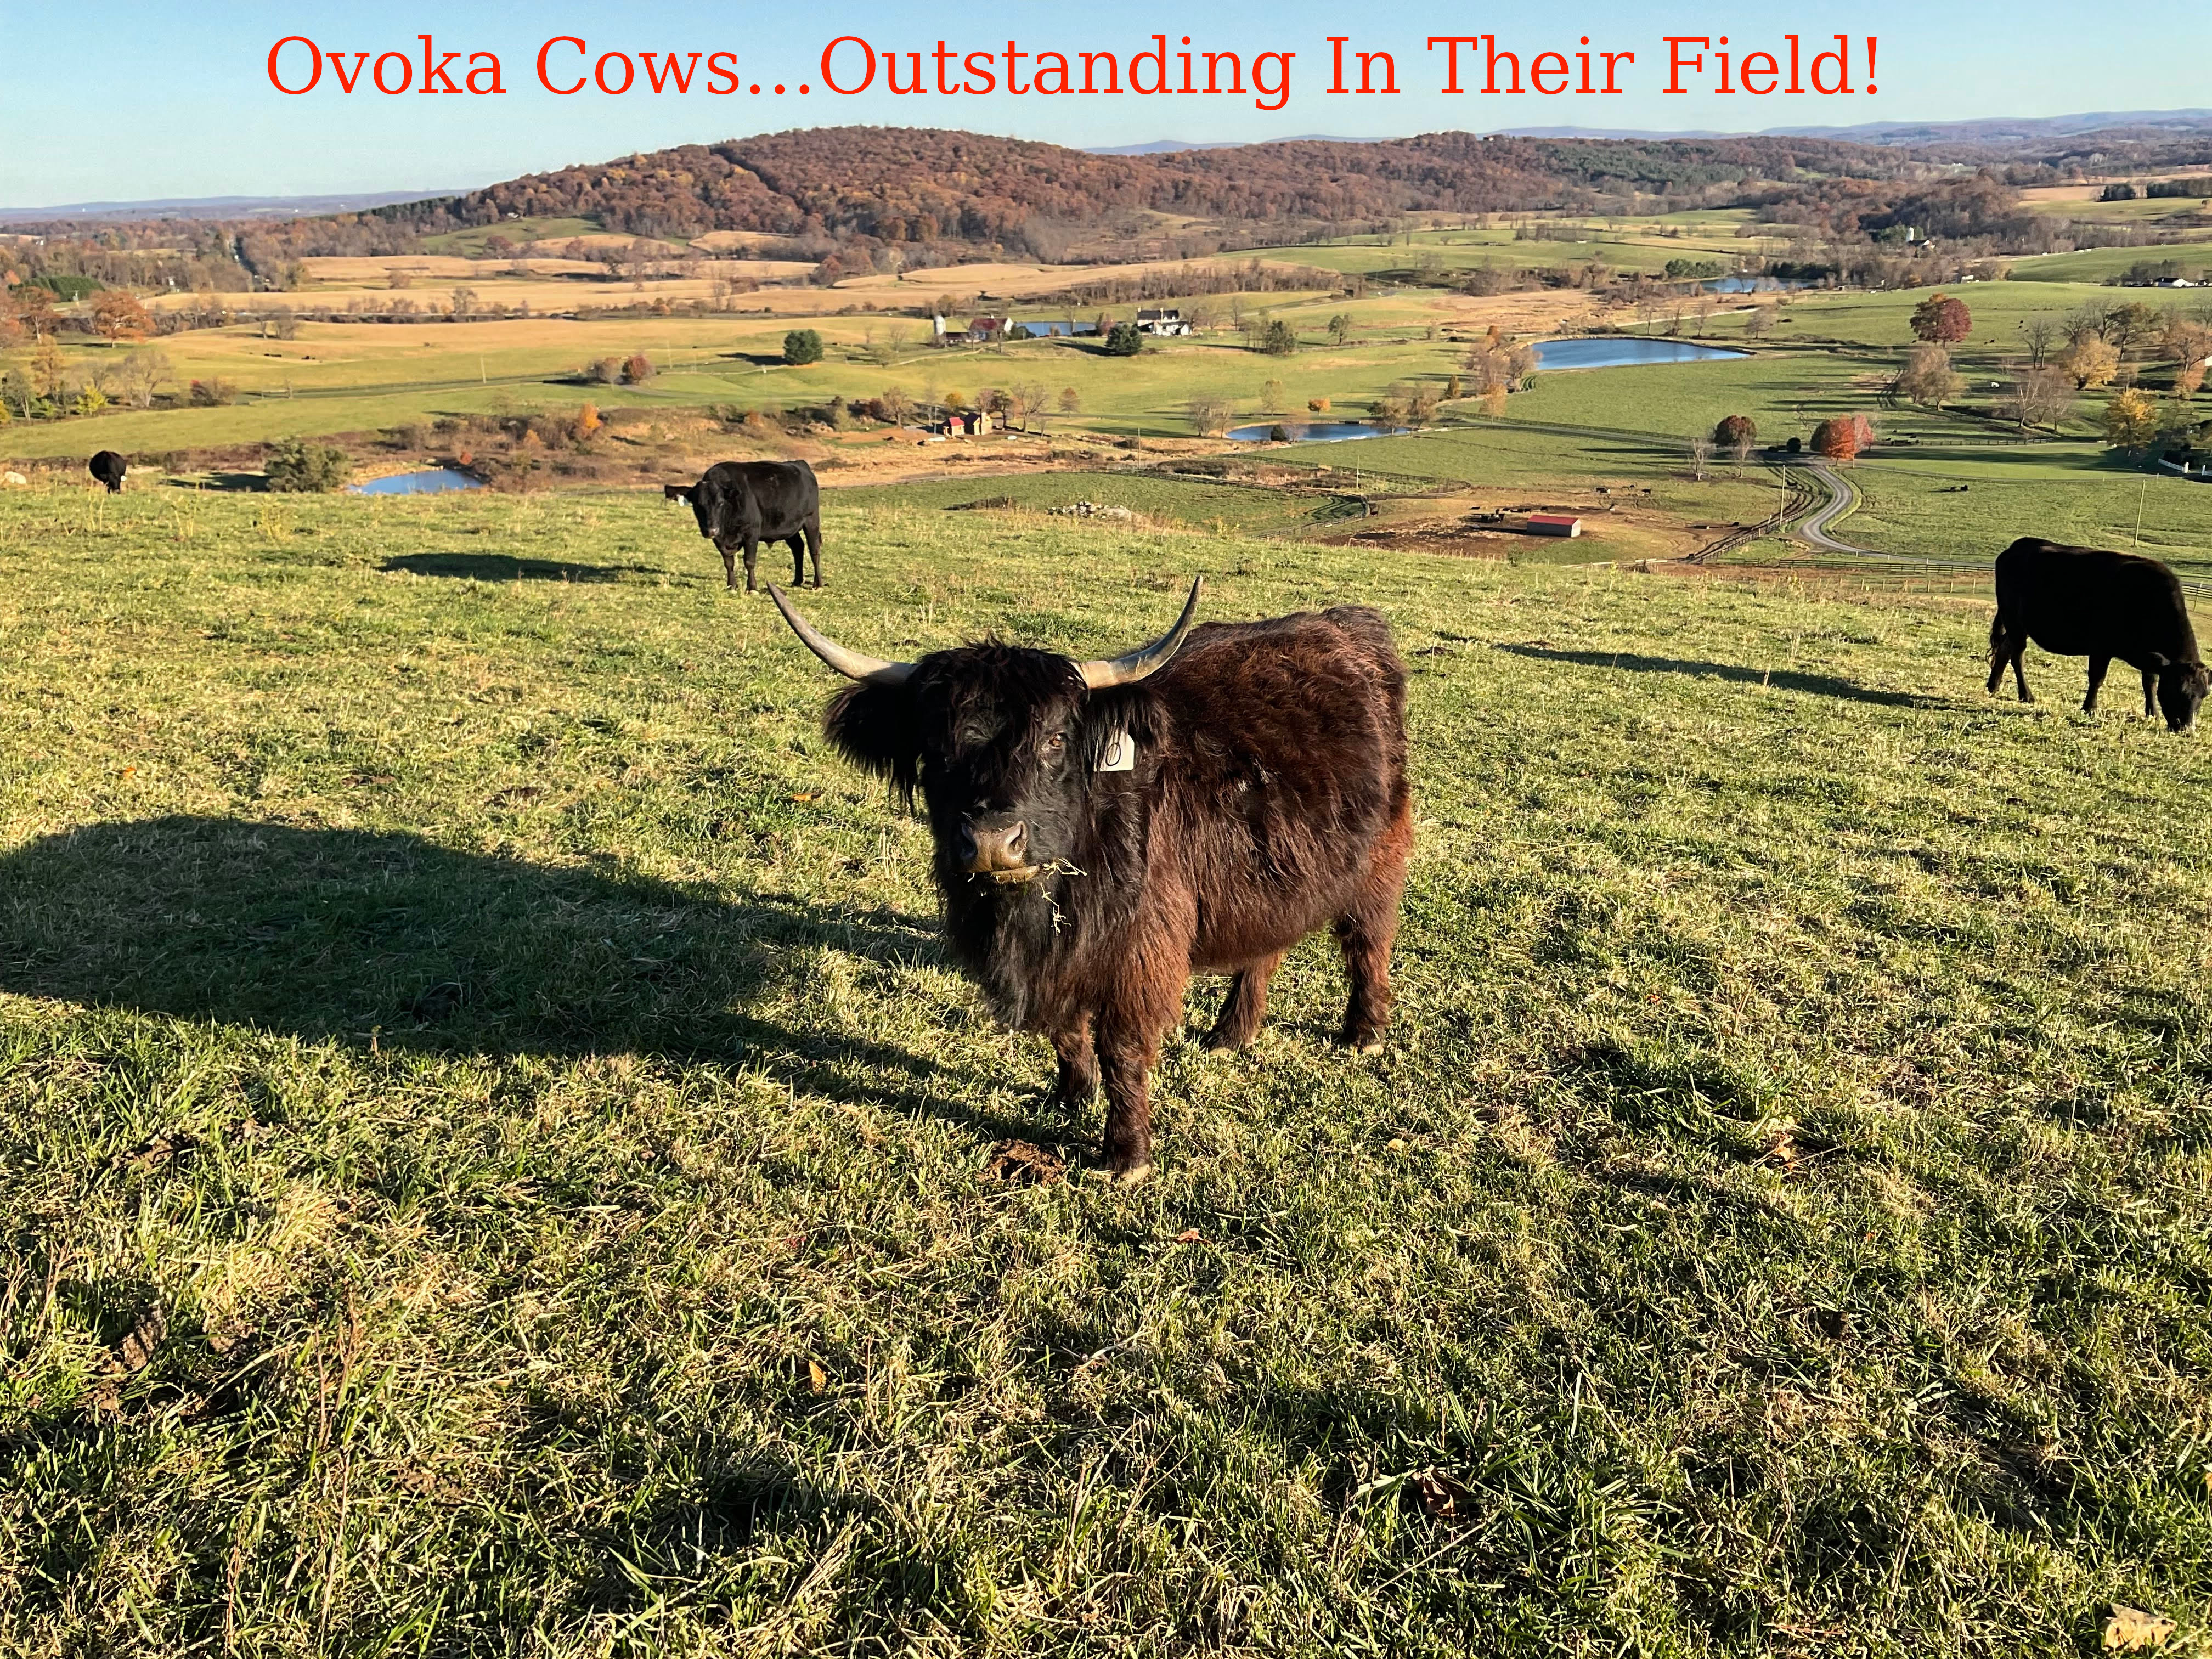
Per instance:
(894,185)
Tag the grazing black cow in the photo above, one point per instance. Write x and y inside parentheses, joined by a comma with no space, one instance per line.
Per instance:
(1104,829)
(2087,602)
(741,504)
(108,467)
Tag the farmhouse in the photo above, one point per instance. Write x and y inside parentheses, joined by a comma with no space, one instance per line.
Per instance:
(1161,321)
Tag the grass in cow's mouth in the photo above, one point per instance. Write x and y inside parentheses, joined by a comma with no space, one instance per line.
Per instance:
(490,1142)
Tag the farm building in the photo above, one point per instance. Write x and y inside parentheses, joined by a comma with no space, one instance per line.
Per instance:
(1554,524)
(1161,321)
(1060,327)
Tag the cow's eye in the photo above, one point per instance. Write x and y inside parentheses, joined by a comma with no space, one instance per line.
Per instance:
(1056,743)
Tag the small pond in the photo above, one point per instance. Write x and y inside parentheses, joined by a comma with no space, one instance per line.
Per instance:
(1604,351)
(436,480)
(1754,284)
(1310,431)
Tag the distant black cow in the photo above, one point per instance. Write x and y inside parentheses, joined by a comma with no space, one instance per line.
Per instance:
(741,504)
(108,467)
(2087,602)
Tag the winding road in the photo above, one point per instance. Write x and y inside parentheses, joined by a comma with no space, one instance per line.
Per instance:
(1842,498)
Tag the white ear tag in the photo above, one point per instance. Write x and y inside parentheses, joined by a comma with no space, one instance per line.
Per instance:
(1120,755)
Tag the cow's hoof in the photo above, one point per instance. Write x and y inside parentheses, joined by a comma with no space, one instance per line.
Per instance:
(1134,1175)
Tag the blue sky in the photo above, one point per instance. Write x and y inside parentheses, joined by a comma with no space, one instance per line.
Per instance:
(136,101)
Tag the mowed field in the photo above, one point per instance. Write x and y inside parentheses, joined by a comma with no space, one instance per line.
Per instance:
(494,1156)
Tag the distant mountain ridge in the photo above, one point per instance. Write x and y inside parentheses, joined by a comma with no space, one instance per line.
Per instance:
(224,207)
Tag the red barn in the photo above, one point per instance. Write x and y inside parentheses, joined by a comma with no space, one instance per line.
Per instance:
(1554,524)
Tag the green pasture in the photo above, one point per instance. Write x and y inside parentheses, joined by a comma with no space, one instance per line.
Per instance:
(470,243)
(2095,265)
(495,1157)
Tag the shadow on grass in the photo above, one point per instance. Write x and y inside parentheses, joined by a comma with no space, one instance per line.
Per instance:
(391,940)
(1819,686)
(504,567)
(229,482)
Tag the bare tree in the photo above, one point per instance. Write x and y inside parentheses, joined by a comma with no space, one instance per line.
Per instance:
(2039,396)
(1701,455)
(2037,333)
(141,374)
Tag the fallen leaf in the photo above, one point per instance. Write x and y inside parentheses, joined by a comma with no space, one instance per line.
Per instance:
(817,796)
(817,1377)
(1024,1164)
(1441,1497)
(2131,1630)
(137,1350)
(1189,1236)
(153,1153)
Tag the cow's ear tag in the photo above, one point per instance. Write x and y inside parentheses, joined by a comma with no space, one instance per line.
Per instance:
(1120,755)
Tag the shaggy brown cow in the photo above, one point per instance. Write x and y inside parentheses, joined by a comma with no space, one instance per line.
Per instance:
(2089,602)
(1104,829)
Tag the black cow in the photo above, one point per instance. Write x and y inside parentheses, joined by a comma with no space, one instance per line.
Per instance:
(2087,602)
(741,504)
(108,467)
(1105,829)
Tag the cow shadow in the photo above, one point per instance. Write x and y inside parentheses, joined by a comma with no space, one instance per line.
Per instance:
(1819,686)
(505,567)
(386,940)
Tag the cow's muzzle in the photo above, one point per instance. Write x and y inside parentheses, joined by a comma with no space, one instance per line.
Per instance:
(999,851)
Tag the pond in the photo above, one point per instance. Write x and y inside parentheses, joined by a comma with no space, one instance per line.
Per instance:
(1310,431)
(1754,284)
(436,480)
(1614,352)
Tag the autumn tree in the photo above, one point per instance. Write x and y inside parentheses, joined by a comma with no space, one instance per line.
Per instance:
(2091,361)
(1273,396)
(1279,338)
(117,315)
(1071,401)
(637,369)
(895,406)
(47,369)
(1736,433)
(1941,320)
(35,306)
(2129,420)
(1339,328)
(1842,438)
(1928,377)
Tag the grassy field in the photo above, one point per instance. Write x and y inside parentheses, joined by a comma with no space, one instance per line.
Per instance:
(493,1156)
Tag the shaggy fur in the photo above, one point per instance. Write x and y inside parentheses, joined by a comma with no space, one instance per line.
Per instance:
(2085,602)
(741,504)
(1268,800)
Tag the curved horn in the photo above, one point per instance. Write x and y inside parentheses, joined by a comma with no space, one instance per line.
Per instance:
(1145,659)
(851,664)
